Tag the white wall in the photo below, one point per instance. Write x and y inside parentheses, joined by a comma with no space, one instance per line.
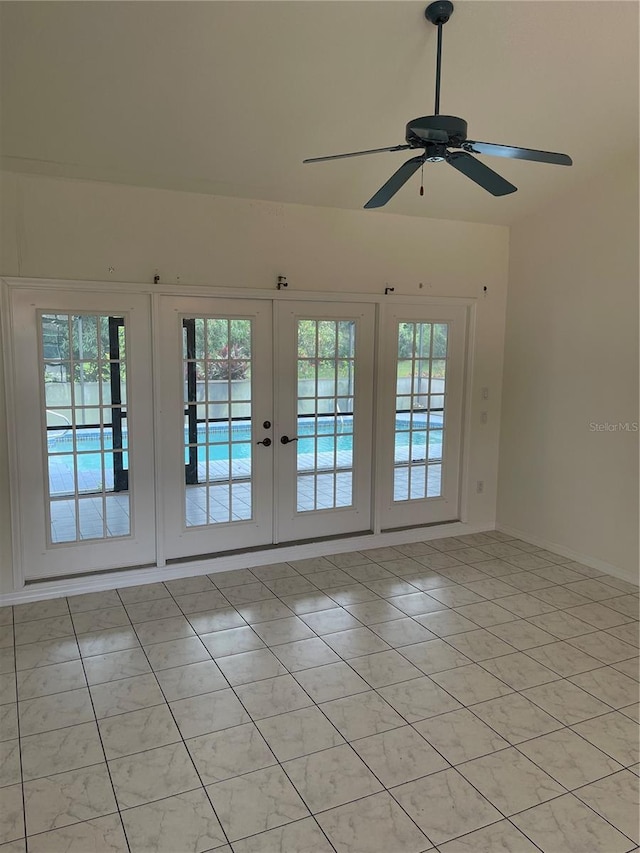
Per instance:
(571,360)
(57,228)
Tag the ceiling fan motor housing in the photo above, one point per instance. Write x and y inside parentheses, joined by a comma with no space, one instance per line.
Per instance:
(447,130)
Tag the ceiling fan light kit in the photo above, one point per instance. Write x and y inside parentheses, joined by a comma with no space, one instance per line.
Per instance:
(436,134)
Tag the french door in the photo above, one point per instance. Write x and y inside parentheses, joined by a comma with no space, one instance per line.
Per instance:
(82,380)
(261,446)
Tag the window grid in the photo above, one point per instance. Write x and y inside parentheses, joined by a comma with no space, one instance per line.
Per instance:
(218,447)
(420,410)
(82,503)
(326,393)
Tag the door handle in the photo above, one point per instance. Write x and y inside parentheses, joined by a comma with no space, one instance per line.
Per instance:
(266,442)
(286,440)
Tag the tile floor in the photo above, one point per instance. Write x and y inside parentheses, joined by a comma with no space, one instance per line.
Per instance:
(464,695)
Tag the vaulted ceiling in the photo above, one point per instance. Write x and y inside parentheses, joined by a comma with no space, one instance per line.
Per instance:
(229,97)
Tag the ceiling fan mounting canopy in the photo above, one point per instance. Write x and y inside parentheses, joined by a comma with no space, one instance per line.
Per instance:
(436,134)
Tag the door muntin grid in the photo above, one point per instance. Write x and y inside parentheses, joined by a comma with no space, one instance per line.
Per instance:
(420,424)
(326,387)
(86,441)
(218,447)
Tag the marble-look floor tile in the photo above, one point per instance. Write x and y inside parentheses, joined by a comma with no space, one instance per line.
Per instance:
(100,835)
(434,656)
(416,603)
(354,594)
(143,592)
(230,752)
(355,642)
(9,763)
(627,604)
(43,629)
(312,564)
(629,667)
(126,734)
(445,805)
(187,586)
(398,756)
(11,814)
(492,588)
(501,837)
(100,620)
(375,824)
(256,802)
(232,641)
(163,630)
(521,635)
(273,571)
(446,622)
(471,684)
(610,686)
(374,612)
(568,758)
(247,593)
(425,579)
(61,750)
(418,699)
(70,797)
(43,653)
(311,602)
(565,701)
(146,611)
(264,611)
(604,647)
(109,640)
(460,736)
(562,625)
(384,668)
(596,590)
(302,836)
(331,778)
(614,734)
(515,718)
(185,822)
(93,601)
(128,694)
(209,712)
(568,825)
(519,671)
(479,645)
(333,681)
(298,733)
(525,605)
(330,621)
(153,775)
(628,633)
(201,602)
(563,658)
(391,587)
(599,615)
(283,631)
(331,578)
(617,799)
(272,696)
(176,653)
(55,712)
(181,682)
(9,720)
(402,632)
(304,654)
(361,715)
(250,666)
(34,610)
(455,596)
(210,621)
(46,680)
(8,687)
(232,578)
(486,614)
(116,665)
(510,781)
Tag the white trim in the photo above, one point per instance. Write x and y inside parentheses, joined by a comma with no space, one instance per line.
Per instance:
(154,574)
(232,293)
(576,556)
(467,411)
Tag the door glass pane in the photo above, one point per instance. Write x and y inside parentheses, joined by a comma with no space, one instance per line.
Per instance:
(83,370)
(326,389)
(420,408)
(218,442)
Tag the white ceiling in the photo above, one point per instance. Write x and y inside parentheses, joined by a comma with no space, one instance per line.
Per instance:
(229,97)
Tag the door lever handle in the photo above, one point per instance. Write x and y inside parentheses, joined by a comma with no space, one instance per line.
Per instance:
(286,440)
(266,442)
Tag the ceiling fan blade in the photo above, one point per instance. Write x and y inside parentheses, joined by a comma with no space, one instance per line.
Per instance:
(395,182)
(517,153)
(488,179)
(356,154)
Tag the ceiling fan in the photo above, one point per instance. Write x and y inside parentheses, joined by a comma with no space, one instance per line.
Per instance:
(436,134)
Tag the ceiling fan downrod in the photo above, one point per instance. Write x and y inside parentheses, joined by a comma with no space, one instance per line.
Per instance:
(438,13)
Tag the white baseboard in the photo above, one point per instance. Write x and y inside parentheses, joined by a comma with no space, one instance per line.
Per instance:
(321,548)
(592,562)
